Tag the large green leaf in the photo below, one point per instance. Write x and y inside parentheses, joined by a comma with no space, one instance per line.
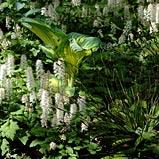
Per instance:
(51,36)
(79,42)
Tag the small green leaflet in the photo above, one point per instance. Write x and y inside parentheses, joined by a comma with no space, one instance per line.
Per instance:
(4,147)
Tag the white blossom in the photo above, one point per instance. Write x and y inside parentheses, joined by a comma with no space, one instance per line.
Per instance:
(39,69)
(59,108)
(130,37)
(53,146)
(76,2)
(5,44)
(3,73)
(30,79)
(32,97)
(10,65)
(67,119)
(81,101)
(23,61)
(84,127)
(157,13)
(63,137)
(2,94)
(44,80)
(153,27)
(59,69)
(24,98)
(43,11)
(8,87)
(45,106)
(54,120)
(73,109)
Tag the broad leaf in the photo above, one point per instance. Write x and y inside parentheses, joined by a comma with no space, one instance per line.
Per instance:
(51,36)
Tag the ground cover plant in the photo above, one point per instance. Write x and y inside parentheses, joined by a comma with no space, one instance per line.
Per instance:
(78,79)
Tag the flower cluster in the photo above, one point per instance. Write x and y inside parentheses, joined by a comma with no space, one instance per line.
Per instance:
(59,69)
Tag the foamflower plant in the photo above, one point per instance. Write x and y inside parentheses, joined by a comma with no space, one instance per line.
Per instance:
(72,47)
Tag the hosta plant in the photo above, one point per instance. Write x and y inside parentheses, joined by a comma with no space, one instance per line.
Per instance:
(71,48)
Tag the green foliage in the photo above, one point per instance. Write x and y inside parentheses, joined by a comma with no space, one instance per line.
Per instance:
(9,129)
(120,80)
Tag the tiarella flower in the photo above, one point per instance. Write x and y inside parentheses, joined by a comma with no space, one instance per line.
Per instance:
(39,69)
(30,79)
(2,94)
(84,127)
(111,2)
(5,44)
(8,87)
(24,98)
(10,65)
(44,80)
(81,101)
(157,13)
(3,73)
(60,113)
(59,108)
(73,109)
(45,106)
(66,99)
(53,146)
(130,37)
(59,69)
(76,2)
(153,27)
(23,61)
(43,11)
(147,14)
(54,120)
(67,119)
(63,137)
(32,97)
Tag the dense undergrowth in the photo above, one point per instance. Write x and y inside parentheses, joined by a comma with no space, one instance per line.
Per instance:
(104,107)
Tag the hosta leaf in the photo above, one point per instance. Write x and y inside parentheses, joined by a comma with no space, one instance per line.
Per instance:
(81,42)
(74,46)
(51,36)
